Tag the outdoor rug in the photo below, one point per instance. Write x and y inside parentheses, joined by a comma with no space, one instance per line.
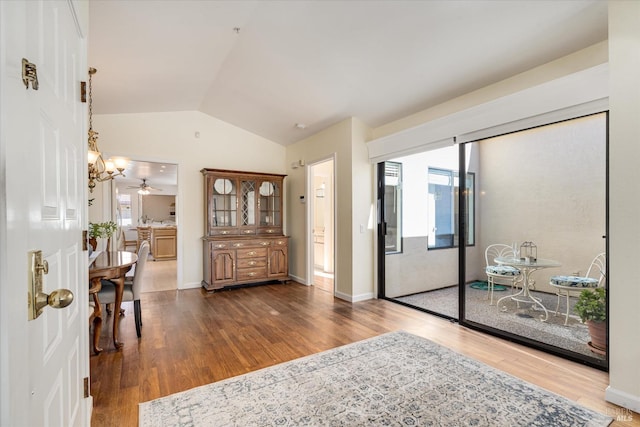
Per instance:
(396,379)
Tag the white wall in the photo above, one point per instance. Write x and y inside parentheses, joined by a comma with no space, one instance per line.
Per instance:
(354,198)
(363,214)
(156,207)
(578,61)
(624,187)
(170,137)
(334,140)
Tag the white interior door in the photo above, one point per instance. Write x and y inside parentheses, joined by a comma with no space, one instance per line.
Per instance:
(44,361)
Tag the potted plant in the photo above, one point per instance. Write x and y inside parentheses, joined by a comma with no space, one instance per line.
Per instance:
(591,307)
(101,230)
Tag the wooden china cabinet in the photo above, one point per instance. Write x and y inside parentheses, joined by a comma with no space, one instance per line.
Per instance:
(243,240)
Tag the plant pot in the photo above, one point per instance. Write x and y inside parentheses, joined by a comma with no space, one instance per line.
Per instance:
(598,332)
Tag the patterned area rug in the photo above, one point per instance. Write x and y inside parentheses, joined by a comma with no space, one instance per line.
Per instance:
(396,379)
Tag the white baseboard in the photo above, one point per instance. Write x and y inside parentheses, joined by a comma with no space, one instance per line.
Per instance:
(192,285)
(298,279)
(623,399)
(354,298)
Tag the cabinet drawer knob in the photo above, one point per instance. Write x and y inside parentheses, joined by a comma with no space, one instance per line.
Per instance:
(252,274)
(270,231)
(237,245)
(252,253)
(252,263)
(224,232)
(264,243)
(219,246)
(247,231)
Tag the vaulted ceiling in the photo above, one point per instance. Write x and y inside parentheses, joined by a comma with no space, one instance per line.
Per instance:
(266,66)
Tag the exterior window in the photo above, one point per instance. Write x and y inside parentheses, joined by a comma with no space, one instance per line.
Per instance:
(443,208)
(124,205)
(393,207)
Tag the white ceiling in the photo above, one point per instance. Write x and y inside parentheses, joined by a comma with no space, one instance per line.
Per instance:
(319,62)
(157,174)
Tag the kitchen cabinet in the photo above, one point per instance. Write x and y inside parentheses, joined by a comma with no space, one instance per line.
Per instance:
(243,239)
(163,243)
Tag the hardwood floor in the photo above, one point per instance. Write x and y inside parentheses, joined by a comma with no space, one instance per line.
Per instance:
(323,281)
(159,275)
(191,338)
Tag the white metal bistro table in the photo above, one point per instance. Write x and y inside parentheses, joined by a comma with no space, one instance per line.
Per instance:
(527,268)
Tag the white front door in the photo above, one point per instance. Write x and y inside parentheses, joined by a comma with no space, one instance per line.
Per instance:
(44,362)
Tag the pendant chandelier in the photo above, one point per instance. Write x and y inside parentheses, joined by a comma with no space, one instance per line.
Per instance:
(100,170)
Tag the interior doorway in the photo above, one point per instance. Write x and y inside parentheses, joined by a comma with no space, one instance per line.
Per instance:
(321,224)
(148,197)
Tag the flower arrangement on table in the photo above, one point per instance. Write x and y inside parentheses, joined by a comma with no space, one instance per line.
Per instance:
(101,230)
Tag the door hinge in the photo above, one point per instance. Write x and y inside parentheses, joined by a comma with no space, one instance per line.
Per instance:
(83,92)
(29,74)
(84,240)
(86,387)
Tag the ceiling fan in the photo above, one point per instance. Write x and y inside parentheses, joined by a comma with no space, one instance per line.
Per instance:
(145,188)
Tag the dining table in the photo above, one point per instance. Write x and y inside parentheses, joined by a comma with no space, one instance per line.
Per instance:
(112,266)
(527,267)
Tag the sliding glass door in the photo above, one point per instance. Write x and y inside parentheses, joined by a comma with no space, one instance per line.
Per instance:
(419,196)
(541,193)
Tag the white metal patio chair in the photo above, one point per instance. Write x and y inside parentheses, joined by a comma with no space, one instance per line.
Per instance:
(500,274)
(565,285)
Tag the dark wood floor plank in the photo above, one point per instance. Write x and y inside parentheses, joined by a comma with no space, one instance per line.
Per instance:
(191,338)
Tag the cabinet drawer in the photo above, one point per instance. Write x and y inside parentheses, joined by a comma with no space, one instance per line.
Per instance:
(168,231)
(252,262)
(252,253)
(219,245)
(279,242)
(251,273)
(270,230)
(239,244)
(248,244)
(224,232)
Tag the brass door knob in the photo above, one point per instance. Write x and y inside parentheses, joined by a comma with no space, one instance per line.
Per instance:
(60,298)
(37,299)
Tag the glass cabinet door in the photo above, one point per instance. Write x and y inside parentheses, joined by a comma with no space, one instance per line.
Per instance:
(224,203)
(270,204)
(247,203)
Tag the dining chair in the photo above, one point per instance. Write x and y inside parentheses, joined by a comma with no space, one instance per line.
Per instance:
(144,235)
(565,285)
(95,315)
(123,243)
(500,274)
(132,287)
